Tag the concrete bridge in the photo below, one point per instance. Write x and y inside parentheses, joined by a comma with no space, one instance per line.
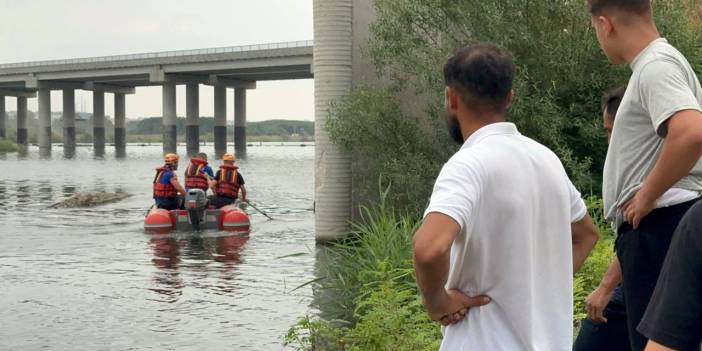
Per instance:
(238,67)
(340,30)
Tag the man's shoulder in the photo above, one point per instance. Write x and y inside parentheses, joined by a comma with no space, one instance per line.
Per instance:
(661,59)
(470,156)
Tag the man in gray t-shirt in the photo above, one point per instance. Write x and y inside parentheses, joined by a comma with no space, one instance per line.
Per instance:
(653,173)
(661,85)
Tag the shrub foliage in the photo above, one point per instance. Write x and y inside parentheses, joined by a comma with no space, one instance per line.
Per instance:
(399,131)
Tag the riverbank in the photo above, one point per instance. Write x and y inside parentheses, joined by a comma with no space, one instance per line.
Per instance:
(8,146)
(372,298)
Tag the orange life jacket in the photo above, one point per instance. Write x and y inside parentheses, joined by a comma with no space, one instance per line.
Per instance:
(195,177)
(160,189)
(227,181)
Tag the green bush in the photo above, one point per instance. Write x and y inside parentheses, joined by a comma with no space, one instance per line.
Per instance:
(399,130)
(8,146)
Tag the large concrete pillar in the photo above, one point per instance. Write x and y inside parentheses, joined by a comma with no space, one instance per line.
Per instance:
(192,119)
(169,118)
(99,123)
(44,132)
(332,80)
(3,118)
(220,120)
(120,126)
(240,121)
(69,123)
(22,138)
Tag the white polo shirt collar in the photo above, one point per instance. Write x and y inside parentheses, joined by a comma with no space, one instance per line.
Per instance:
(501,128)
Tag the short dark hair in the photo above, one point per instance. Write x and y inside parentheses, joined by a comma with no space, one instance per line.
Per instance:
(483,74)
(612,99)
(638,7)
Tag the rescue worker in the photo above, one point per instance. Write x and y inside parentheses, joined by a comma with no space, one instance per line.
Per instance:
(166,185)
(227,183)
(199,174)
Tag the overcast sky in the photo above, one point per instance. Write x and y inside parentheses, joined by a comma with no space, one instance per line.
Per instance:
(55,29)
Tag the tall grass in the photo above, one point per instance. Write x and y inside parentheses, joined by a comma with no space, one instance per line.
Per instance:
(8,146)
(379,242)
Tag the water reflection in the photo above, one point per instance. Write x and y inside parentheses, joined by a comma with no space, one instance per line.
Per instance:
(3,198)
(166,258)
(46,191)
(325,301)
(68,190)
(170,252)
(23,194)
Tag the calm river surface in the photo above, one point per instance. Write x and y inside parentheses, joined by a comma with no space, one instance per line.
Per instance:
(91,279)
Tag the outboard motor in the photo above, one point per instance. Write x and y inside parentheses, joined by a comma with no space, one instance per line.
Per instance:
(196,203)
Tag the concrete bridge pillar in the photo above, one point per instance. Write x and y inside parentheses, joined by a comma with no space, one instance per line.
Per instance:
(333,76)
(120,126)
(169,118)
(22,138)
(44,132)
(220,120)
(192,119)
(240,121)
(3,118)
(99,123)
(69,123)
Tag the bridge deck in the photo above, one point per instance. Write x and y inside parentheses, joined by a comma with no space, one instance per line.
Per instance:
(275,61)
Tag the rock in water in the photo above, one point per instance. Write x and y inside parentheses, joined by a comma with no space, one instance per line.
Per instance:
(87,199)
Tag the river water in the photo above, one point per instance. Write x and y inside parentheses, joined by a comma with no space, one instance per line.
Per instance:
(91,279)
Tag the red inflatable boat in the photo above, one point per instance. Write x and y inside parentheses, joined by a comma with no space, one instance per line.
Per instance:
(230,218)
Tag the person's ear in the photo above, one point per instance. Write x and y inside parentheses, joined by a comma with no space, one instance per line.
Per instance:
(605,26)
(452,100)
(510,98)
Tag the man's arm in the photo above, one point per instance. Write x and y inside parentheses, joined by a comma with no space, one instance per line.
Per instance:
(585,237)
(176,184)
(243,192)
(682,148)
(654,346)
(597,300)
(431,249)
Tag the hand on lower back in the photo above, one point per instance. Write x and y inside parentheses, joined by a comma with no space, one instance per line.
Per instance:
(453,306)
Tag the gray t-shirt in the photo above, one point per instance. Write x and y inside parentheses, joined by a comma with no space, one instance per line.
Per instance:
(662,83)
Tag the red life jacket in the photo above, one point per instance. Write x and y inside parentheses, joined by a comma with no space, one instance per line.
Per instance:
(160,189)
(195,177)
(227,181)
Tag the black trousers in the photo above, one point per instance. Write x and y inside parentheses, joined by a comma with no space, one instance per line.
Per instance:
(641,254)
(610,336)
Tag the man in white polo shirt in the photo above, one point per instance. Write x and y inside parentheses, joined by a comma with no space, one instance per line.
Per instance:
(505,228)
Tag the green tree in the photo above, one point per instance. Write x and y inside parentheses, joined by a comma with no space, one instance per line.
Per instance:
(561,74)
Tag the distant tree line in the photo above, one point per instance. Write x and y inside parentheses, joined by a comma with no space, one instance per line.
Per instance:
(153,126)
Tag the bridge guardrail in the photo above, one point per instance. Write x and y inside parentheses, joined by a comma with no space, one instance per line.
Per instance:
(174,53)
